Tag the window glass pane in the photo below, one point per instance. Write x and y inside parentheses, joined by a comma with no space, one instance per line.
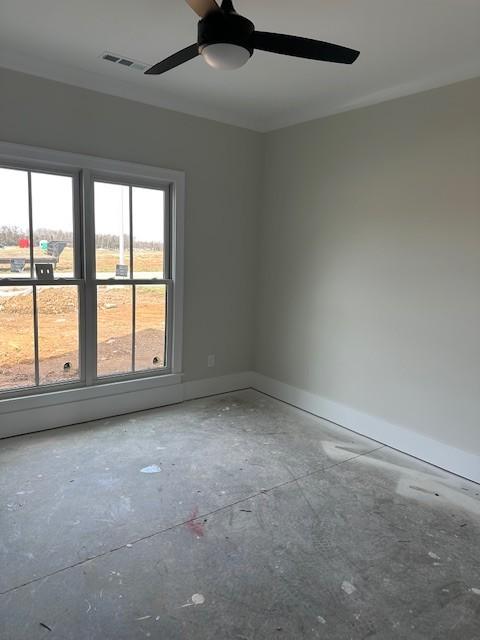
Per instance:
(114,329)
(14,225)
(150,320)
(52,214)
(112,230)
(148,207)
(58,339)
(17,352)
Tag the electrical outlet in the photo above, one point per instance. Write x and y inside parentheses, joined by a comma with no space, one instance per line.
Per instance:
(211,360)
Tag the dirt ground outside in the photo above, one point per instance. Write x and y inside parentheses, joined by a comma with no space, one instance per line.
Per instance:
(58,332)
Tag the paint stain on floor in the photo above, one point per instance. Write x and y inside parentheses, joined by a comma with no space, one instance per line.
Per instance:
(194,525)
(348,588)
(196,600)
(153,468)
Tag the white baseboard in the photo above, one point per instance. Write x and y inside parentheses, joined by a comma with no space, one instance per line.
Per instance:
(62,408)
(47,411)
(213,386)
(37,413)
(414,444)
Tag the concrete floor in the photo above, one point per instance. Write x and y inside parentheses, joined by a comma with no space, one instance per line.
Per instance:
(256,521)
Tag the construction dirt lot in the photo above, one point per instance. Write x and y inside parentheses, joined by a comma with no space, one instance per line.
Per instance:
(106,260)
(58,331)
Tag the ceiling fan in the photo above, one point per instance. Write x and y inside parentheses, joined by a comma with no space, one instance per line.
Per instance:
(226,40)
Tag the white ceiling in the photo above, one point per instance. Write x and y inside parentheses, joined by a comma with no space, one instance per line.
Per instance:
(406,46)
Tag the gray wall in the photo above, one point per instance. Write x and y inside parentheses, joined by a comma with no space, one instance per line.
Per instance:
(369,288)
(222,165)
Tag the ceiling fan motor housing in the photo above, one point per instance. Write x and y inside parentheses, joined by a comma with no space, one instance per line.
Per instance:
(219,27)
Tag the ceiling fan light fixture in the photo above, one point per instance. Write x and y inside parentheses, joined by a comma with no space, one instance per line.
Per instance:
(225,56)
(227,40)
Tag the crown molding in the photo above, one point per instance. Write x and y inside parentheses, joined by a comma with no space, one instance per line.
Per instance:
(315,111)
(128,90)
(77,77)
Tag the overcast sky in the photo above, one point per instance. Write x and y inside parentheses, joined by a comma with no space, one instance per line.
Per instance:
(52,205)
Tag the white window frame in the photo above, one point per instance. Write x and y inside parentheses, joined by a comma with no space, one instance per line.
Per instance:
(90,167)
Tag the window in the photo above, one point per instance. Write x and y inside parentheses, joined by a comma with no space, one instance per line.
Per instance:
(39,335)
(131,224)
(89,276)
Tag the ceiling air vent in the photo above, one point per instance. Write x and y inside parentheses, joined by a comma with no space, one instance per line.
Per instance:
(124,62)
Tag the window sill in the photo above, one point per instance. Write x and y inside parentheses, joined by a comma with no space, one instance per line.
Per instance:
(98,392)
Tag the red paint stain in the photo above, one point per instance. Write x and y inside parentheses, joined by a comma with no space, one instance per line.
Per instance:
(195,526)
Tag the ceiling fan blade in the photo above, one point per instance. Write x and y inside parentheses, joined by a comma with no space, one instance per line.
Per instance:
(174,60)
(303,47)
(202,7)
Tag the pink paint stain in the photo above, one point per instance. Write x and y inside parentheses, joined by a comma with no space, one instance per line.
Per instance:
(194,526)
